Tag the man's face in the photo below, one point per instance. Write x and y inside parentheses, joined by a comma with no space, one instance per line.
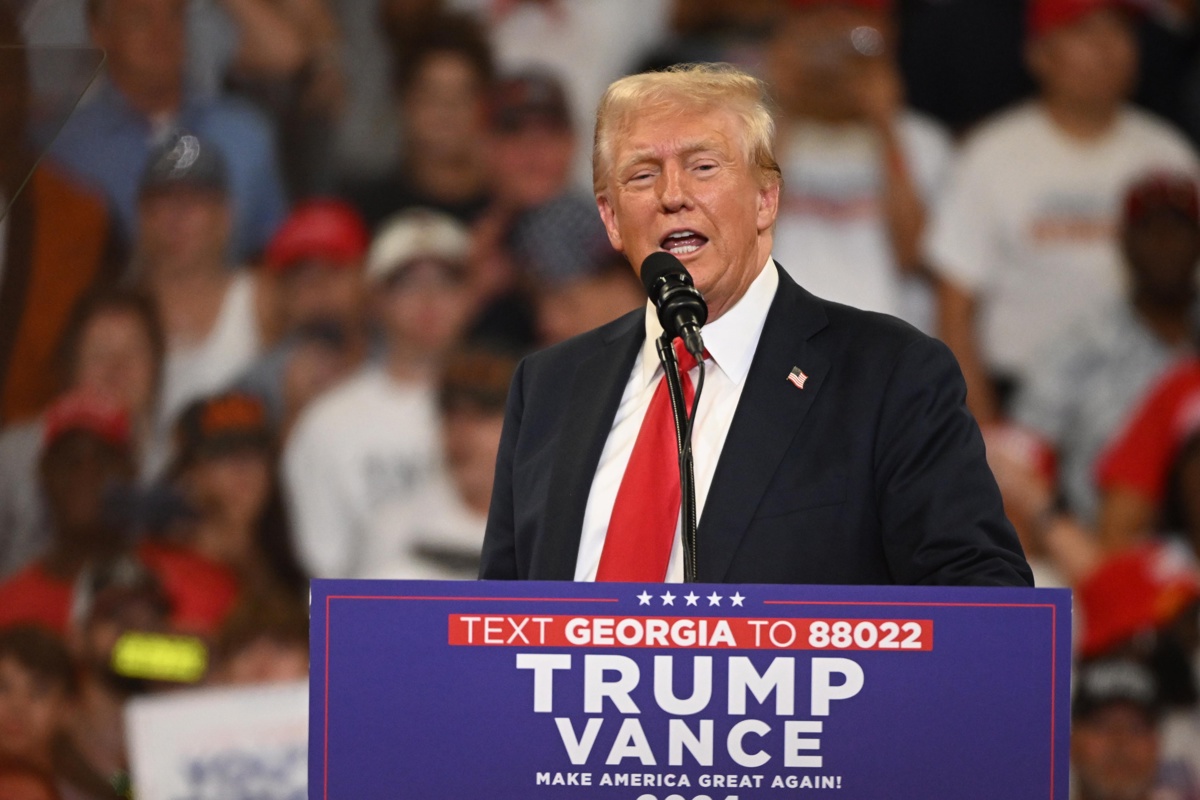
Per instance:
(145,40)
(532,164)
(231,489)
(116,360)
(426,307)
(32,708)
(1092,62)
(1114,753)
(321,291)
(77,471)
(444,108)
(181,230)
(1163,252)
(680,181)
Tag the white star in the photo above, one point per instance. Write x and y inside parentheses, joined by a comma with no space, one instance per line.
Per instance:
(737,599)
(691,598)
(668,599)
(714,599)
(644,598)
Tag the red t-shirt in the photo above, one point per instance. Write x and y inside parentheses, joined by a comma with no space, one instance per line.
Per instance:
(201,592)
(1140,457)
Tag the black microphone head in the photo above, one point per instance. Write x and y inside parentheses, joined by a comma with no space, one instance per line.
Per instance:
(681,307)
(659,265)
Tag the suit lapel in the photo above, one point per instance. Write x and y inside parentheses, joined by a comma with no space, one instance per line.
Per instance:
(595,392)
(769,414)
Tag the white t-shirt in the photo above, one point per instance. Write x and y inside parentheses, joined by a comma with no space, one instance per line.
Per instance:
(366,443)
(194,371)
(431,536)
(832,233)
(1029,224)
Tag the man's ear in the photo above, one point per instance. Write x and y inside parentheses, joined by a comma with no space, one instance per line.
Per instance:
(610,222)
(768,206)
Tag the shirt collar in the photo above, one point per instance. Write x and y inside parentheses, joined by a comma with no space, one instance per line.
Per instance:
(730,340)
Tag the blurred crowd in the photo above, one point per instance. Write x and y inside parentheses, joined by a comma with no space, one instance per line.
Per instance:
(264,282)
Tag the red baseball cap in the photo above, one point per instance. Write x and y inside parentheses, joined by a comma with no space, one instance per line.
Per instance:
(1047,16)
(86,411)
(1136,591)
(325,229)
(1163,190)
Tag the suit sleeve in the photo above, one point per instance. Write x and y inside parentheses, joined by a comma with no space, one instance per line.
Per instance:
(940,508)
(499,559)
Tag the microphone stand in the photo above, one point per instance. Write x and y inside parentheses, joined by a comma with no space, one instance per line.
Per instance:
(683,439)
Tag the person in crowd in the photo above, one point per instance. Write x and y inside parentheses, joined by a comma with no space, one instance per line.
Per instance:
(437,533)
(531,140)
(216,319)
(115,600)
(1023,239)
(368,140)
(1083,387)
(315,260)
(586,44)
(144,102)
(225,466)
(87,460)
(373,438)
(37,686)
(863,466)
(113,347)
(531,149)
(264,641)
(1134,472)
(56,244)
(578,281)
(442,73)
(1116,733)
(38,694)
(859,168)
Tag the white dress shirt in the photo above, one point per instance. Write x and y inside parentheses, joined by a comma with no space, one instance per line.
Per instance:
(731,342)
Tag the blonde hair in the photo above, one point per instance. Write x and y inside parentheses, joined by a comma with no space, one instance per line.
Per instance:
(689,87)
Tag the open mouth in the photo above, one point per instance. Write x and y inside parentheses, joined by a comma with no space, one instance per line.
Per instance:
(683,242)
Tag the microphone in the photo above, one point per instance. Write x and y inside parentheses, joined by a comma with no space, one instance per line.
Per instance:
(681,308)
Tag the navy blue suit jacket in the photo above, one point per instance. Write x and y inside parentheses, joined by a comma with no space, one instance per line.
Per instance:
(873,473)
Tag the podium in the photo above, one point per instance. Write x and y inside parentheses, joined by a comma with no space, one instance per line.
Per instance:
(429,690)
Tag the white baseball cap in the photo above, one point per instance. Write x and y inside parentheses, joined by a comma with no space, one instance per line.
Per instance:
(415,235)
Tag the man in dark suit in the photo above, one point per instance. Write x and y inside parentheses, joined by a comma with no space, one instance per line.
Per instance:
(832,445)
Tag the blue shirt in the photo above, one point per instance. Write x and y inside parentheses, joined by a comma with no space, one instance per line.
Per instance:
(106,143)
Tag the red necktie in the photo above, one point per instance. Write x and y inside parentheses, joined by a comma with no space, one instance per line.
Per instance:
(641,530)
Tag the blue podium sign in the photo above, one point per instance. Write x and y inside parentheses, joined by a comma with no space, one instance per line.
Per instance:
(428,690)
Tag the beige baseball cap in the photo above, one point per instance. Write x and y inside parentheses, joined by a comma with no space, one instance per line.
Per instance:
(417,234)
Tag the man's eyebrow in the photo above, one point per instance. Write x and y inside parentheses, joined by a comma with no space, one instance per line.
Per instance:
(687,149)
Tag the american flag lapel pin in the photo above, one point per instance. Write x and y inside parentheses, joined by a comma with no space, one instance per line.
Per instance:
(797,377)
